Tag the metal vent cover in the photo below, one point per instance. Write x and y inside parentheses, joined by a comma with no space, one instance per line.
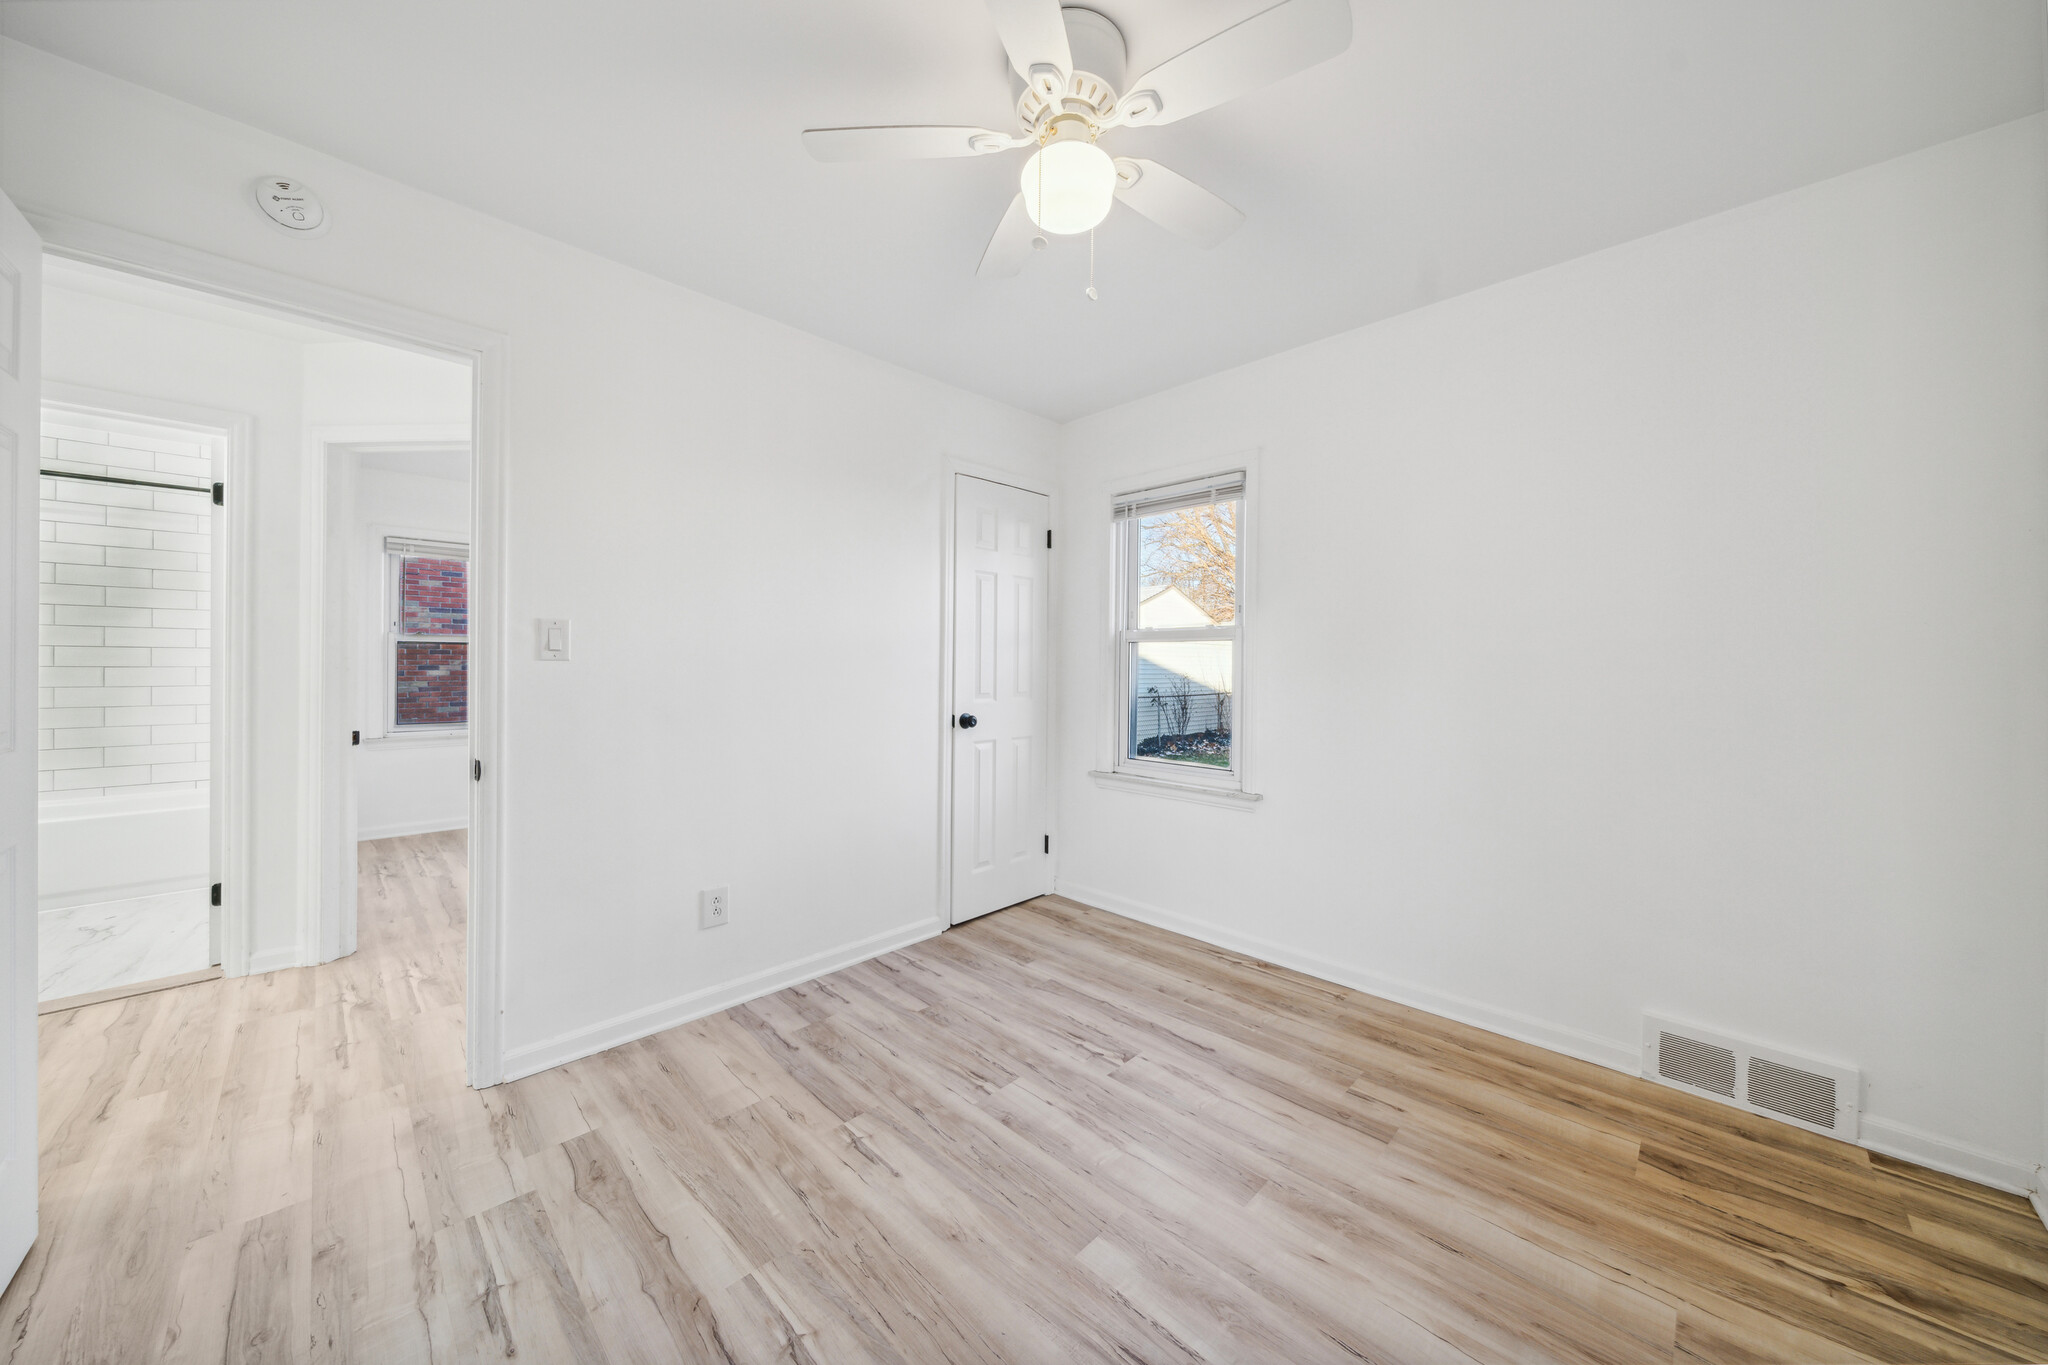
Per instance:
(1803,1095)
(1692,1062)
(1814,1094)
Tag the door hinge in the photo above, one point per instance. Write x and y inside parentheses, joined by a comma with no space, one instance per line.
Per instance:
(220,495)
(1048,843)
(476,770)
(1048,537)
(216,893)
(355,736)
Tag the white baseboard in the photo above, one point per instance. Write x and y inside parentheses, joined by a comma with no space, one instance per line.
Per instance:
(625,1028)
(68,900)
(2040,1199)
(1946,1155)
(1608,1052)
(365,833)
(1878,1134)
(276,960)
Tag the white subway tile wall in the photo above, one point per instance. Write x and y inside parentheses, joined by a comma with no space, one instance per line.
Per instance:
(123,647)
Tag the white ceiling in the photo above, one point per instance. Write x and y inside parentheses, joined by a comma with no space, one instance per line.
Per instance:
(1458,143)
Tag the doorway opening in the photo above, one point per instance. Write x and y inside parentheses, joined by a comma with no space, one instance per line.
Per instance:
(211,650)
(128,557)
(398,604)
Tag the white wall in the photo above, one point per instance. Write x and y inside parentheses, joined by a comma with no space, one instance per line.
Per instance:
(1662,630)
(357,384)
(681,472)
(405,784)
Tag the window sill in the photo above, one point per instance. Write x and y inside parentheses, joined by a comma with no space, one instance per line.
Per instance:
(1226,797)
(432,739)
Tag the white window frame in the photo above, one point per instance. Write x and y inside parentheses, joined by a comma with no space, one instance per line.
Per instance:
(398,549)
(1128,635)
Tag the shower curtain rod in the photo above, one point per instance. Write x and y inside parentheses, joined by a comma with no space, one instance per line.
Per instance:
(135,483)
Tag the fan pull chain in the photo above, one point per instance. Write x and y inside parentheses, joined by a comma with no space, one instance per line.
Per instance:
(1091,254)
(1041,183)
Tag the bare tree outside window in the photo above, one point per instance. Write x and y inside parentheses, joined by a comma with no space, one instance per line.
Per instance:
(1174,706)
(1195,550)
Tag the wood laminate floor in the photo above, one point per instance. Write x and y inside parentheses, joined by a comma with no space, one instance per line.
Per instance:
(1049,1135)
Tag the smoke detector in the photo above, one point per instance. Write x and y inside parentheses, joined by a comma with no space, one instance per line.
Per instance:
(291,205)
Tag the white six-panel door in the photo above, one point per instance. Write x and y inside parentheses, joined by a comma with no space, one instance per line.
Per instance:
(1000,717)
(21,258)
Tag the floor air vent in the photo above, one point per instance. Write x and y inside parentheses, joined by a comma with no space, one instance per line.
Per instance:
(1699,1065)
(1813,1094)
(1796,1094)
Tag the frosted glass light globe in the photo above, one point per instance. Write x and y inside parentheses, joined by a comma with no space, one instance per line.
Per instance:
(1068,186)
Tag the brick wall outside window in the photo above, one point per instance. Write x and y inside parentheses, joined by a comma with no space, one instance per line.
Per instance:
(124,643)
(433,675)
(433,683)
(435,596)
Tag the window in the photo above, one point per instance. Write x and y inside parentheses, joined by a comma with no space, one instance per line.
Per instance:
(429,635)
(1181,623)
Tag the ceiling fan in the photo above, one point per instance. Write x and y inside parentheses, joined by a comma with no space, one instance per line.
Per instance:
(1071,62)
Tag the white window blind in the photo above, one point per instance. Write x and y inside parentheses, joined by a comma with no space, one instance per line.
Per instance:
(430,549)
(1196,493)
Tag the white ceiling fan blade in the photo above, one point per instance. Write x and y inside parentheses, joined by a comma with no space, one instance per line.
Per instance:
(1035,36)
(903,142)
(1174,202)
(1292,36)
(1012,244)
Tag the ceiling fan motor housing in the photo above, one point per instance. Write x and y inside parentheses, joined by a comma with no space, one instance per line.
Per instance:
(1098,50)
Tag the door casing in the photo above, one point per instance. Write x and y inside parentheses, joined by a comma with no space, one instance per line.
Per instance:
(21,268)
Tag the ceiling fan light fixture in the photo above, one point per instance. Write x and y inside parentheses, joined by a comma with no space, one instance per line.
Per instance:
(1074,65)
(1069,183)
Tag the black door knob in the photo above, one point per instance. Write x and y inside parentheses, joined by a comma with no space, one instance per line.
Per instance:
(968,722)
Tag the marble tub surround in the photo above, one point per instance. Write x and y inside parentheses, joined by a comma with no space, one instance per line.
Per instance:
(88,948)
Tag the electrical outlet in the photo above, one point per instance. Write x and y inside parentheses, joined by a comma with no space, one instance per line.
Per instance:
(711,907)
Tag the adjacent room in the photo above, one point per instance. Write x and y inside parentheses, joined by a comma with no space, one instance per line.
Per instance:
(163,409)
(982,680)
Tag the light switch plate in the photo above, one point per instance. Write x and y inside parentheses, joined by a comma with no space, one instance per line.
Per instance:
(554,637)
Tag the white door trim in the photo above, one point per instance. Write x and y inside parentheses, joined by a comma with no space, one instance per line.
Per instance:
(273,291)
(232,745)
(20,447)
(951,467)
